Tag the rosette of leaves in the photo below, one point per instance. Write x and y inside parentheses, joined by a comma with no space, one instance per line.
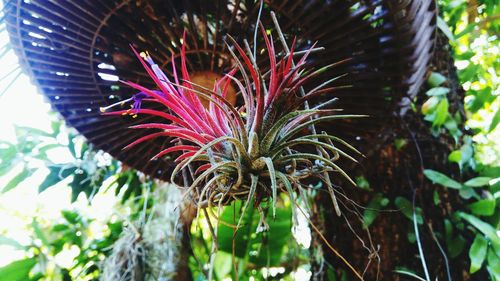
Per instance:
(249,152)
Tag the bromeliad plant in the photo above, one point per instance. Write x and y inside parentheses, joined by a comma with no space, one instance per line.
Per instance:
(247,152)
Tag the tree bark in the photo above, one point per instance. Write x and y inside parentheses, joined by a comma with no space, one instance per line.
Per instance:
(399,173)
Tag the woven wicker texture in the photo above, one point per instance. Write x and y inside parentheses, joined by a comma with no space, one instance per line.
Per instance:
(76,50)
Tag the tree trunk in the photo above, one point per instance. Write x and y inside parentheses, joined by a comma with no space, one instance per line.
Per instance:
(396,173)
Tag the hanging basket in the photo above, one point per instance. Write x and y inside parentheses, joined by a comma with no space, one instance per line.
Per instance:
(76,51)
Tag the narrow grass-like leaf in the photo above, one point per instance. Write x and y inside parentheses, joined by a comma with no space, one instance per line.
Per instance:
(304,125)
(337,139)
(240,148)
(289,189)
(274,186)
(251,194)
(268,139)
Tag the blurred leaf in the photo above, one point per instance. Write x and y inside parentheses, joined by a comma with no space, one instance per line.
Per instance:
(86,183)
(121,180)
(10,242)
(412,238)
(479,98)
(56,127)
(455,156)
(406,208)
(438,91)
(42,150)
(441,113)
(38,276)
(133,183)
(18,270)
(442,179)
(451,125)
(115,227)
(407,272)
(223,263)
(469,28)
(441,24)
(455,245)
(331,274)
(469,73)
(467,55)
(467,152)
(55,175)
(435,198)
(477,253)
(8,155)
(363,183)
(429,105)
(71,146)
(494,121)
(467,192)
(60,227)
(344,276)
(372,210)
(265,245)
(32,131)
(39,232)
(71,217)
(436,79)
(478,181)
(494,265)
(400,143)
(484,207)
(17,179)
(490,171)
(488,230)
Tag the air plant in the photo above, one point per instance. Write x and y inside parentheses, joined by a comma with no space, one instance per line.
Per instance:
(148,247)
(248,152)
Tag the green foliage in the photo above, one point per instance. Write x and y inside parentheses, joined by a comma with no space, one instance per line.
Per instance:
(455,243)
(482,206)
(487,229)
(478,181)
(442,179)
(373,208)
(406,207)
(408,272)
(436,79)
(493,265)
(494,121)
(259,243)
(55,175)
(400,143)
(18,270)
(83,174)
(10,242)
(21,176)
(84,171)
(50,240)
(473,32)
(264,247)
(477,253)
(362,183)
(438,91)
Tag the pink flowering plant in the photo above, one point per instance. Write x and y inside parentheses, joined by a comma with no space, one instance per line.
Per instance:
(248,152)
